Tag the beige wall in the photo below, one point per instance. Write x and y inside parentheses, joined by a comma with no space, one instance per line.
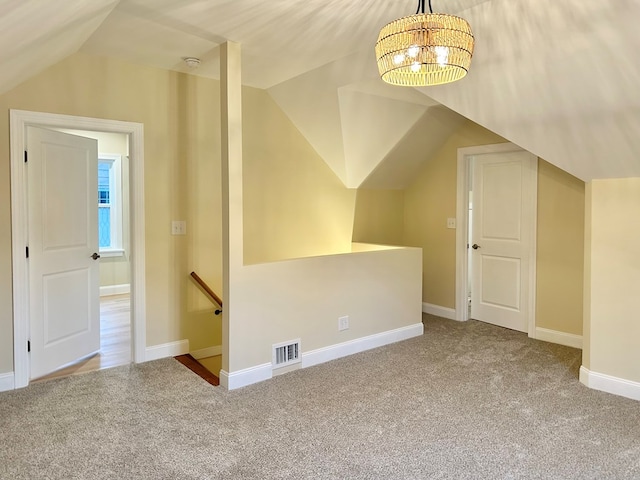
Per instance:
(560,250)
(279,193)
(294,205)
(379,216)
(612,267)
(276,302)
(429,201)
(181,121)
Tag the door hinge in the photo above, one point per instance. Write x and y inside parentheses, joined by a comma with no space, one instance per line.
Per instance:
(28,345)
(27,251)
(25,156)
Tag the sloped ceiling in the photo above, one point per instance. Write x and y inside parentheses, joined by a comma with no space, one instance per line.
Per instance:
(557,78)
(35,35)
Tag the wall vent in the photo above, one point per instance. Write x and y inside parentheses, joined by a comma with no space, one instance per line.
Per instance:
(286,353)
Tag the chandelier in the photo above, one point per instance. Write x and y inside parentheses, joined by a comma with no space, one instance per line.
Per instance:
(424,49)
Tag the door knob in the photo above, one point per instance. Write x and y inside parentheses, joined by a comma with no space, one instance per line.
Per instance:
(95,256)
(475,246)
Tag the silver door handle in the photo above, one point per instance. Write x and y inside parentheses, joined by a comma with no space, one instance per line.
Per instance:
(475,246)
(95,256)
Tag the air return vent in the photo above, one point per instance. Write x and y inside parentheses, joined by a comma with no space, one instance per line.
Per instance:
(286,353)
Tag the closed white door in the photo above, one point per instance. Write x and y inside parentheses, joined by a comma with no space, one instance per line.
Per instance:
(501,238)
(64,307)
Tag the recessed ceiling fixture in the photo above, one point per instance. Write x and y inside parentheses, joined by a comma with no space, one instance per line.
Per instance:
(424,49)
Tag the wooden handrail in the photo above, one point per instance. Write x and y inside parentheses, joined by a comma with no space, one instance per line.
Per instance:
(208,290)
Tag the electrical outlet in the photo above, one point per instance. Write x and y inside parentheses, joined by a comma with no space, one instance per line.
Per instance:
(451,223)
(178,227)
(343,323)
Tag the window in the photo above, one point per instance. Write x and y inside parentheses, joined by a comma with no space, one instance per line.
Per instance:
(109,205)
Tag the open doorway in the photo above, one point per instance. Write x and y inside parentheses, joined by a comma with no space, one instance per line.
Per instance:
(496,247)
(114,248)
(20,121)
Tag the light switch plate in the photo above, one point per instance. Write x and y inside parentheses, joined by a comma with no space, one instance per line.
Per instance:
(451,223)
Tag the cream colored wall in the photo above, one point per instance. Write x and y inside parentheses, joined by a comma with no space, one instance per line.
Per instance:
(560,250)
(612,264)
(294,205)
(181,121)
(429,201)
(379,216)
(268,303)
(276,302)
(586,297)
(114,270)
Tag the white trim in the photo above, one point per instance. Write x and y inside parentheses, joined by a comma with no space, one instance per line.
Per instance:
(562,338)
(246,376)
(207,352)
(111,252)
(259,373)
(107,290)
(610,384)
(18,121)
(325,354)
(462,230)
(165,350)
(7,381)
(437,310)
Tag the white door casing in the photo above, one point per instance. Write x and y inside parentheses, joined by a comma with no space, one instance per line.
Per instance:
(505,301)
(63,234)
(19,121)
(500,236)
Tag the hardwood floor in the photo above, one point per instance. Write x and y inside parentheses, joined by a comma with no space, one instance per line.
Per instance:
(115,339)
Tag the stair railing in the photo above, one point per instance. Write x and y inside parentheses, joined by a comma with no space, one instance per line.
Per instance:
(212,295)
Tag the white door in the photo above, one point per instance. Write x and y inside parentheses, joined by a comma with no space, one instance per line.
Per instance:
(64,307)
(501,238)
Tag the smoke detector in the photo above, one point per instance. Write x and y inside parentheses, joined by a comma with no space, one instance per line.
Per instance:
(192,62)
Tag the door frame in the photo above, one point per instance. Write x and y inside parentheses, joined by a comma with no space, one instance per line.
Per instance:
(462,230)
(18,122)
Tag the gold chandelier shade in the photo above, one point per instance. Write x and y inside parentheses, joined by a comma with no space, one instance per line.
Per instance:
(424,49)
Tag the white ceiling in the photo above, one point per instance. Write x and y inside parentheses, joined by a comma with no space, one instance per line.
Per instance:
(558,78)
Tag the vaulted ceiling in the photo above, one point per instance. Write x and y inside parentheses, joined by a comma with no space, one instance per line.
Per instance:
(560,79)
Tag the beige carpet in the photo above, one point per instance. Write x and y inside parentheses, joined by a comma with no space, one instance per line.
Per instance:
(465,400)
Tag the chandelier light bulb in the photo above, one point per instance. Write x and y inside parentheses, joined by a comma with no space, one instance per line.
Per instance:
(442,55)
(398,58)
(413,51)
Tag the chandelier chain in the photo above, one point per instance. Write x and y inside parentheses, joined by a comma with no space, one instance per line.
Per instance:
(421,7)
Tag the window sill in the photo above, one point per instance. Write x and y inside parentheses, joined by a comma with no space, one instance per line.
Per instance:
(112,252)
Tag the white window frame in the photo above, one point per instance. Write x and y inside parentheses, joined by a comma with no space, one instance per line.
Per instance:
(115,204)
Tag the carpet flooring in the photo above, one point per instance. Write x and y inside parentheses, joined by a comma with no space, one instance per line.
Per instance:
(465,400)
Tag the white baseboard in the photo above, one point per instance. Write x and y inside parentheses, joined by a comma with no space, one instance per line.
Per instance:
(6,381)
(114,289)
(609,384)
(259,373)
(207,352)
(444,312)
(321,355)
(164,350)
(245,377)
(554,336)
